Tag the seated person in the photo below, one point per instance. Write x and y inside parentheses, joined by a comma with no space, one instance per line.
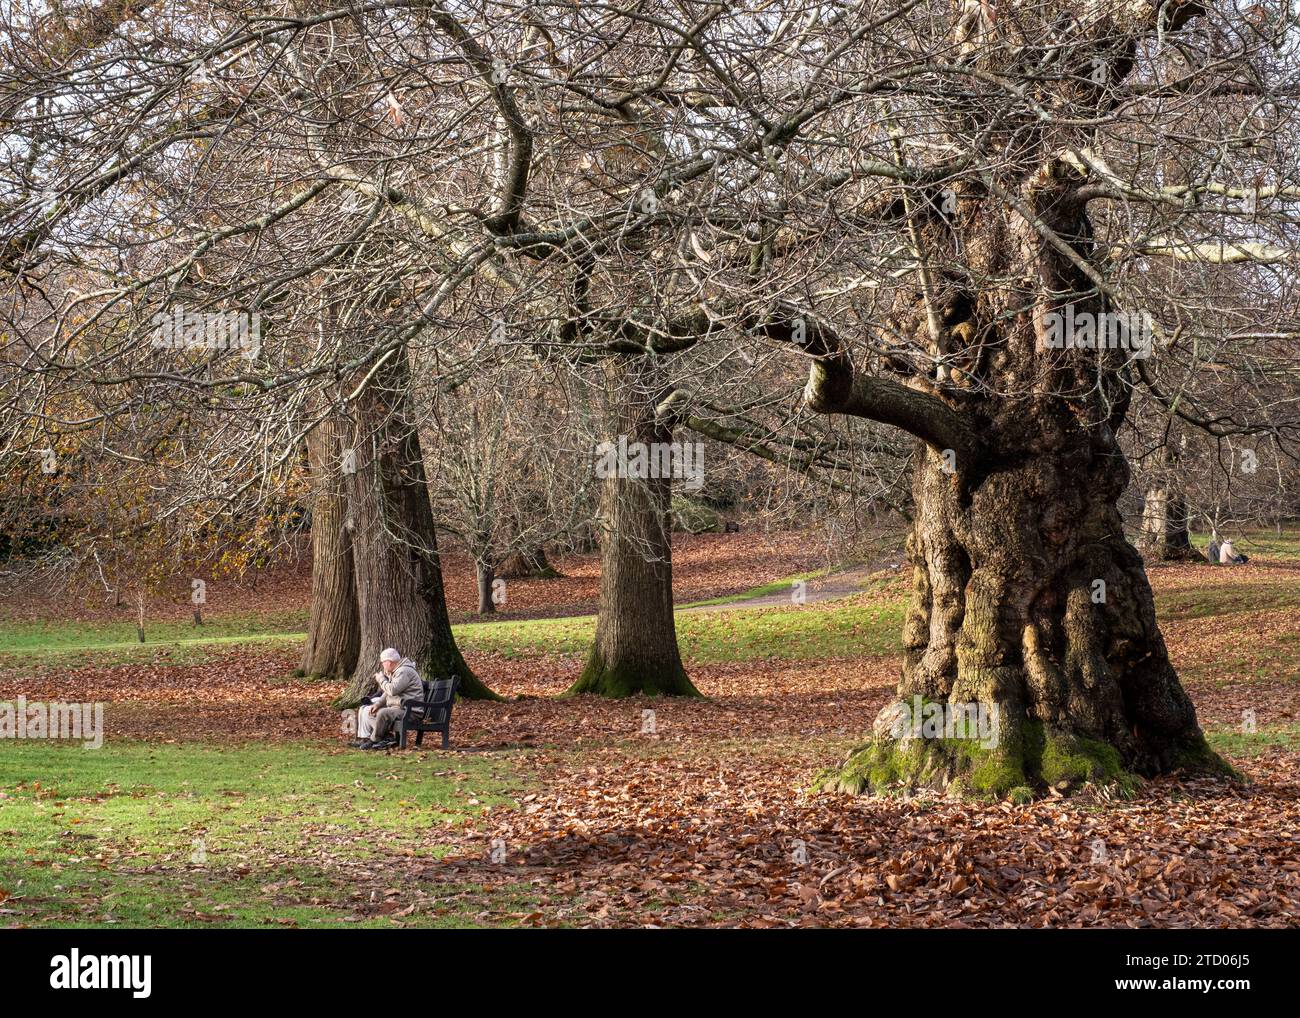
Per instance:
(1212,550)
(1228,556)
(398,680)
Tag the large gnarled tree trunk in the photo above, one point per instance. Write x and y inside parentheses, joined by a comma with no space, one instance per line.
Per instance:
(1027,601)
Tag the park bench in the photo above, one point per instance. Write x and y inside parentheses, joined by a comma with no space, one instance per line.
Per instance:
(431,714)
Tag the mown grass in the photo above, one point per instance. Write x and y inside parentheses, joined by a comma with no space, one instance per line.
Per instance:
(28,636)
(853,627)
(195,834)
(290,831)
(179,641)
(856,627)
(1271,658)
(1232,741)
(174,641)
(783,585)
(831,629)
(1228,595)
(1259,543)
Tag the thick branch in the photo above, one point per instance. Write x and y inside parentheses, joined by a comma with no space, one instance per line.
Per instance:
(833,387)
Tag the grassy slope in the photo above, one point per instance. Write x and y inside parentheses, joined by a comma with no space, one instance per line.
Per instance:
(739,634)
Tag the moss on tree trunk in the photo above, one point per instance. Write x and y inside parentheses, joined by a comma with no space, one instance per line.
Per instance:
(1028,600)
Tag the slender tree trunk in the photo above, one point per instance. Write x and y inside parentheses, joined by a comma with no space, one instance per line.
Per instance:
(635,650)
(1164,525)
(483,571)
(334,633)
(400,597)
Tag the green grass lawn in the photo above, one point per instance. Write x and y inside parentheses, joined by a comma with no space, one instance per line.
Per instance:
(782,585)
(225,833)
(1227,594)
(827,630)
(1263,543)
(60,636)
(179,642)
(193,834)
(1271,657)
(1232,741)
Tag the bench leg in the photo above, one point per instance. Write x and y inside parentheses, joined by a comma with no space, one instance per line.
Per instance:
(401,736)
(419,736)
(446,736)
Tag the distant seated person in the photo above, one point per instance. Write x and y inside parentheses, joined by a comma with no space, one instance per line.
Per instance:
(1229,557)
(1212,549)
(398,680)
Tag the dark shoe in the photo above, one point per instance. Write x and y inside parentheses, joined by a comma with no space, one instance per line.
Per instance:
(357,743)
(380,744)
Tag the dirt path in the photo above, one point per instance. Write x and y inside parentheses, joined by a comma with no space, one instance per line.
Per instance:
(831,587)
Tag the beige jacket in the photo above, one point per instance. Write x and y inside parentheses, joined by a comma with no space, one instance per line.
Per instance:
(403,684)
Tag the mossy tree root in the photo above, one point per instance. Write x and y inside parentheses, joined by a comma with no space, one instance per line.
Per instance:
(1024,763)
(630,679)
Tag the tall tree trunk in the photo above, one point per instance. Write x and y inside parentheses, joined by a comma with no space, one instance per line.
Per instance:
(400,597)
(334,633)
(1164,533)
(484,575)
(1028,605)
(635,650)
